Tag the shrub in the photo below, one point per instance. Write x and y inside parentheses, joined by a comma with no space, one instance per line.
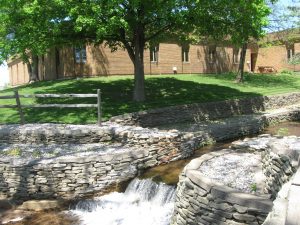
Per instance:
(286,72)
(13,152)
(295,59)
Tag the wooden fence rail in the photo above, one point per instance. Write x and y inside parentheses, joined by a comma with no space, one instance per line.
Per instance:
(20,107)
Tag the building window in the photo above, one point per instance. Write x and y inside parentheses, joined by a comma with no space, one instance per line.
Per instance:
(236,55)
(154,53)
(80,54)
(198,54)
(212,54)
(290,53)
(185,53)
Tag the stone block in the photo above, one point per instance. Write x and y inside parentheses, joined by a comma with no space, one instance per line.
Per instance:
(222,213)
(36,205)
(240,209)
(244,217)
(221,206)
(242,199)
(296,179)
(293,209)
(200,180)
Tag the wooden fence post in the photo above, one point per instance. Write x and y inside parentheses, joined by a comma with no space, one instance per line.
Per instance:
(19,106)
(99,106)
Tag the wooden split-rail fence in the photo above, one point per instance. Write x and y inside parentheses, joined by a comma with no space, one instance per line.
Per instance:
(20,106)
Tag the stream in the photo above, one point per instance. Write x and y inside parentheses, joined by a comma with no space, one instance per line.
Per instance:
(144,200)
(149,198)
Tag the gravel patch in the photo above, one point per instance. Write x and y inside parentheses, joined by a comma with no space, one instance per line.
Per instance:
(236,170)
(106,126)
(37,151)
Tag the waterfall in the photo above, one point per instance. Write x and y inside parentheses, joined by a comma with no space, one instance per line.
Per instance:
(144,202)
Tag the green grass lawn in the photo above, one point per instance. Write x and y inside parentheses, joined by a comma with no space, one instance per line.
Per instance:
(161,91)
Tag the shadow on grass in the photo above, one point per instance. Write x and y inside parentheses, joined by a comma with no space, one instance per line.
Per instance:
(117,97)
(161,91)
(261,80)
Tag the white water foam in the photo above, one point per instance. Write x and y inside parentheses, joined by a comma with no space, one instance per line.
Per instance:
(144,202)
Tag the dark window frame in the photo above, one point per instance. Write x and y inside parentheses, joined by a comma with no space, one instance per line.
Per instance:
(185,54)
(290,52)
(236,55)
(212,54)
(80,54)
(154,50)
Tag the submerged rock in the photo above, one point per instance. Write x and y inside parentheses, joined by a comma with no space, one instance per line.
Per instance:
(40,205)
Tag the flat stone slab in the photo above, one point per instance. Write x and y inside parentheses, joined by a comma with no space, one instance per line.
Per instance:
(39,205)
(268,160)
(37,151)
(236,170)
(293,210)
(296,179)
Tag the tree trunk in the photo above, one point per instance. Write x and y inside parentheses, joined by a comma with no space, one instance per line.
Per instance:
(135,50)
(240,74)
(139,75)
(33,69)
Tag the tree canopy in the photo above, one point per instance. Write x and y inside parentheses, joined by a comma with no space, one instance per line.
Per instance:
(237,21)
(29,28)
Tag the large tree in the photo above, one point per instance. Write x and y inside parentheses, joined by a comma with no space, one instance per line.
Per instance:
(28,29)
(129,24)
(237,22)
(250,23)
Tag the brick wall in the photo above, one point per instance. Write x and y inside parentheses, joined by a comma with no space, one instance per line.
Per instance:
(101,61)
(276,56)
(18,73)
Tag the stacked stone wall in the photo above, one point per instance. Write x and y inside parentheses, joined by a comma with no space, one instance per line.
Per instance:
(75,176)
(278,170)
(199,200)
(206,111)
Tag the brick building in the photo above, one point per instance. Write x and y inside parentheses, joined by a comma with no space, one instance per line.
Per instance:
(162,59)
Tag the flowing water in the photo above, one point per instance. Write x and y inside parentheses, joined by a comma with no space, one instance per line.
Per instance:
(149,199)
(144,202)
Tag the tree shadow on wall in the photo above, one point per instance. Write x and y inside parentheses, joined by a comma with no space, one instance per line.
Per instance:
(216,60)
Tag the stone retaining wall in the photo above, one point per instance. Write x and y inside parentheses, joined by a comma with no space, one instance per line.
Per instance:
(293,206)
(73,176)
(199,200)
(143,148)
(34,178)
(206,111)
(279,164)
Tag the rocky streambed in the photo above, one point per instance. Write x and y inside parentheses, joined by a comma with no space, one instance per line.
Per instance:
(248,146)
(239,184)
(241,171)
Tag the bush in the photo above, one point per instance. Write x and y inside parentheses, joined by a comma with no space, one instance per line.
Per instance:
(295,59)
(15,152)
(286,72)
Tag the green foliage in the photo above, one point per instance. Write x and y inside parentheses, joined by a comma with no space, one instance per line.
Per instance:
(286,72)
(239,20)
(253,187)
(28,27)
(36,153)
(15,152)
(295,59)
(283,131)
(36,26)
(161,91)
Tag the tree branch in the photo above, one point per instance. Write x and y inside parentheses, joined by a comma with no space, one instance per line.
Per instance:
(126,44)
(163,29)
